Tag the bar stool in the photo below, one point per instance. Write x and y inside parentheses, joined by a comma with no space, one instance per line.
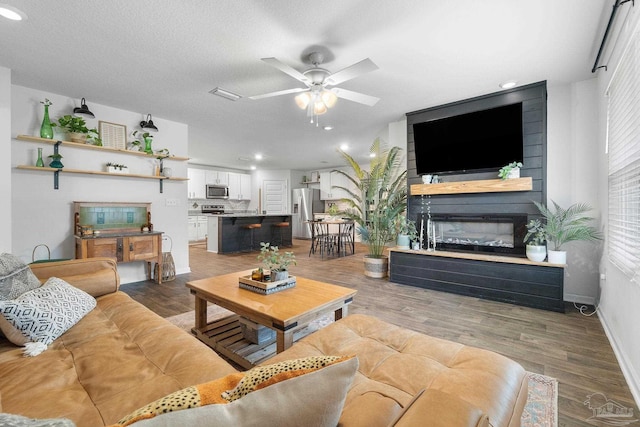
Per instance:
(251,228)
(276,231)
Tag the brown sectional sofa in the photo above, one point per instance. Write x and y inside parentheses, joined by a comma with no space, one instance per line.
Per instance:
(122,356)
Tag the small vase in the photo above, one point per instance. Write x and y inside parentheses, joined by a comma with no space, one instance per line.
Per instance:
(277,276)
(46,130)
(56,164)
(536,253)
(514,173)
(40,162)
(147,145)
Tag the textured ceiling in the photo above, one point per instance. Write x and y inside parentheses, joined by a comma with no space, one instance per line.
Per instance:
(162,57)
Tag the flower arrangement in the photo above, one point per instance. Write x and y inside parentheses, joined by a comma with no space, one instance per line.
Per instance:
(116,168)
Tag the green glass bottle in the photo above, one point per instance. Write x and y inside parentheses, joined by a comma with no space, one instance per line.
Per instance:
(46,130)
(40,162)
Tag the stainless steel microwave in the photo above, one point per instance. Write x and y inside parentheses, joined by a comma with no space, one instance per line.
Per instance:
(217,192)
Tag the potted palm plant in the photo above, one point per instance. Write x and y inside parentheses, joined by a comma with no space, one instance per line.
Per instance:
(535,239)
(566,225)
(378,197)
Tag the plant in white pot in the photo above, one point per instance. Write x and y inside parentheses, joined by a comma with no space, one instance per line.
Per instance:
(378,197)
(566,225)
(277,262)
(512,170)
(535,239)
(407,232)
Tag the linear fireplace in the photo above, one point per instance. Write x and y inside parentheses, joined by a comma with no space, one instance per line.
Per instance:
(489,233)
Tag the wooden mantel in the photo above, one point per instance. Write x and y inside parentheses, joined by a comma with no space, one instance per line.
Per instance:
(480,186)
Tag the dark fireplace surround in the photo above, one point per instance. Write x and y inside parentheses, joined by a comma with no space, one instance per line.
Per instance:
(493,233)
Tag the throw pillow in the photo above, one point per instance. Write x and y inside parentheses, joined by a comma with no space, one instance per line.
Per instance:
(43,314)
(16,277)
(309,392)
(20,421)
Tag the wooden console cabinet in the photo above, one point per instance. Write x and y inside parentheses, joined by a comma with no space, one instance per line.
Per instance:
(499,278)
(122,231)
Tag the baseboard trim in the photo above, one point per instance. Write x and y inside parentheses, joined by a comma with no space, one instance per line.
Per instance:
(580,299)
(629,374)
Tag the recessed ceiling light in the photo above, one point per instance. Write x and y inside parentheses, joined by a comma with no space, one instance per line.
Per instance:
(327,127)
(508,85)
(372,155)
(12,13)
(344,147)
(258,156)
(253,167)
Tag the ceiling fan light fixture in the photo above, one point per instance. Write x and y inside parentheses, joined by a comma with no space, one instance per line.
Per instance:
(303,100)
(83,110)
(329,98)
(319,108)
(148,124)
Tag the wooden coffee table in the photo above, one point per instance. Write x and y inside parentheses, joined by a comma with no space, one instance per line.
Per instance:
(286,312)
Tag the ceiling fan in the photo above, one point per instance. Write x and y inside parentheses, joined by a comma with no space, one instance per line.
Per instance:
(320,93)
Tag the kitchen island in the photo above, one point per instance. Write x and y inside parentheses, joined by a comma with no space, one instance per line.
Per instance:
(226,233)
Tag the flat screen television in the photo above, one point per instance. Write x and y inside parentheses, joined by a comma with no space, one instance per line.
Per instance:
(473,142)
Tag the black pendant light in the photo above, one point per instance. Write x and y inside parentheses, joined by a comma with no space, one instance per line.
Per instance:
(83,110)
(148,124)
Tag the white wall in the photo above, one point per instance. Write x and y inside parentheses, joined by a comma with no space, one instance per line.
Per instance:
(5,161)
(619,296)
(572,164)
(44,215)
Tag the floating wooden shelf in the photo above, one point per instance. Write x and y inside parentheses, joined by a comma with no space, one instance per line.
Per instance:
(87,172)
(480,186)
(93,147)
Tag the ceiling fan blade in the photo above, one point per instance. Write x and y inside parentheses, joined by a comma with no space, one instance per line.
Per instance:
(355,70)
(286,69)
(280,92)
(355,96)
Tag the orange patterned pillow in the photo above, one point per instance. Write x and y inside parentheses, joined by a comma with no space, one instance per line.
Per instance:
(318,384)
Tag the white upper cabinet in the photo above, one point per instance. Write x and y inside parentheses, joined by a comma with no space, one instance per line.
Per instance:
(196,185)
(239,186)
(327,182)
(217,177)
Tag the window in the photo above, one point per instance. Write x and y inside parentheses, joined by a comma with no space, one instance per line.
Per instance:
(624,163)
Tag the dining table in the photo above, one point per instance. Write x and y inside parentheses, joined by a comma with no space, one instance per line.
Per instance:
(332,236)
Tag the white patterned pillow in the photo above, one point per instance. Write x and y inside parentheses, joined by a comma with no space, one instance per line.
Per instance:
(16,277)
(43,314)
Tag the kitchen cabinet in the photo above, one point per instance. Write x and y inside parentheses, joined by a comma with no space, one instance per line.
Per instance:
(239,186)
(197,183)
(216,177)
(213,233)
(327,182)
(197,228)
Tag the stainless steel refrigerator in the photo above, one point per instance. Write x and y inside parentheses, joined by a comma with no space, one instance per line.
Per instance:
(305,202)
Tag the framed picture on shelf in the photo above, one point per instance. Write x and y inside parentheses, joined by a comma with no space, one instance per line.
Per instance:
(113,135)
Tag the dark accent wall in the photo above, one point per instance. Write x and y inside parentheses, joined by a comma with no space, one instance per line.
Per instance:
(534,115)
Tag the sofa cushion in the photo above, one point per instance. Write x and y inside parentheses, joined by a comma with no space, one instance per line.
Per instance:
(308,392)
(396,363)
(16,277)
(43,314)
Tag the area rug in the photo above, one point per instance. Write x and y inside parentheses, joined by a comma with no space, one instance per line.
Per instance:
(541,409)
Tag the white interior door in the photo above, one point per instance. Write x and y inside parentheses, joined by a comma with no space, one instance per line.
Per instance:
(274,196)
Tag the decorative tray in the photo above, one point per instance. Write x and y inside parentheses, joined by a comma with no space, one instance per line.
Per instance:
(266,288)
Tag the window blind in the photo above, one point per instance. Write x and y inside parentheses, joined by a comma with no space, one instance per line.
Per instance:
(624,163)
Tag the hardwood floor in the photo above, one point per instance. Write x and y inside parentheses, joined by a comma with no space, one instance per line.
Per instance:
(570,347)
